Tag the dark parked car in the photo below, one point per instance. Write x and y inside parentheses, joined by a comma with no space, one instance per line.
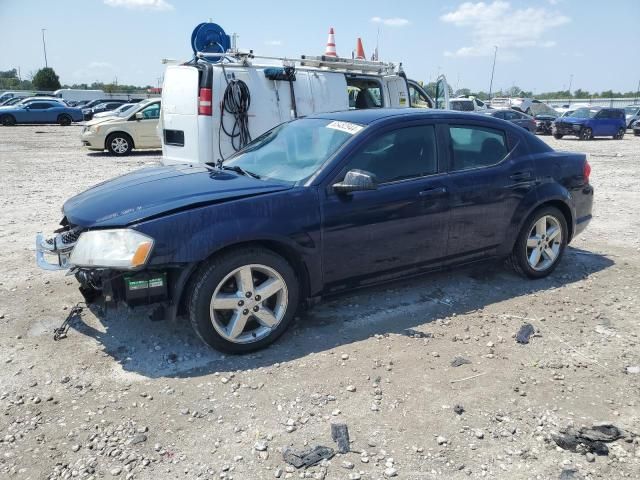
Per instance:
(544,123)
(586,123)
(321,205)
(521,119)
(11,101)
(40,111)
(89,112)
(636,129)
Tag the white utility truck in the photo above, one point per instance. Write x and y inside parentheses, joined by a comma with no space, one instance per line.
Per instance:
(211,109)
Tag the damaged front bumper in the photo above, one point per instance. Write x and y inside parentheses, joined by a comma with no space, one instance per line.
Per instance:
(161,286)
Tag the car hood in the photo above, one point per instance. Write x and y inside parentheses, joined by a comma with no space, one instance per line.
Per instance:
(96,121)
(573,120)
(157,191)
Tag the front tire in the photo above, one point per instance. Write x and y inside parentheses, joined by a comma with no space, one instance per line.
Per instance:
(540,244)
(64,120)
(119,144)
(586,134)
(7,120)
(244,300)
(557,136)
(620,134)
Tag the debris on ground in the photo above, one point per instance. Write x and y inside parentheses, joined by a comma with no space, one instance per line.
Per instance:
(340,435)
(525,333)
(458,409)
(458,361)
(307,458)
(633,369)
(569,474)
(592,439)
(410,332)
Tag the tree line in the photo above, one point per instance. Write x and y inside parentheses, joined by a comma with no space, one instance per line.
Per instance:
(47,79)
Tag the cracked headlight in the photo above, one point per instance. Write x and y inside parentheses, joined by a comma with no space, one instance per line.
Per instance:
(121,248)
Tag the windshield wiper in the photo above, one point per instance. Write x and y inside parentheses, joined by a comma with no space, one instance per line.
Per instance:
(240,170)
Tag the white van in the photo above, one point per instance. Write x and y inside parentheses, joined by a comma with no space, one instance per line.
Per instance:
(211,110)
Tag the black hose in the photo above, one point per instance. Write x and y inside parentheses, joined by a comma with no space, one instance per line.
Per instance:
(236,101)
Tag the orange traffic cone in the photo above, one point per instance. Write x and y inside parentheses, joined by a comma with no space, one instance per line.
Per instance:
(331,45)
(360,50)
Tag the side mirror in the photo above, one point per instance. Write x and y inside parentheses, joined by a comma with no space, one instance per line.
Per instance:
(139,116)
(356,181)
(27,107)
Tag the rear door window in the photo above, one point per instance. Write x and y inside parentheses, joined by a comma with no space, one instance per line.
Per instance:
(476,147)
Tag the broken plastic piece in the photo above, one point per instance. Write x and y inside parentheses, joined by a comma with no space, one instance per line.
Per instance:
(524,333)
(307,458)
(340,435)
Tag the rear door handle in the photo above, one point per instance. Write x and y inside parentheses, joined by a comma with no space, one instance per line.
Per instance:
(433,192)
(522,176)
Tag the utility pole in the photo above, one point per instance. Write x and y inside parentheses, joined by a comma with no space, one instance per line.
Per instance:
(44,47)
(637,93)
(570,82)
(495,53)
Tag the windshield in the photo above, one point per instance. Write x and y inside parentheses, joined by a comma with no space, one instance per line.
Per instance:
(125,109)
(461,105)
(584,113)
(294,151)
(631,110)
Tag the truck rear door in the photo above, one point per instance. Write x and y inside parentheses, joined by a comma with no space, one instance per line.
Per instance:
(186,118)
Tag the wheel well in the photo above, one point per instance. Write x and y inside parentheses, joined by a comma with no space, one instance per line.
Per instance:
(125,134)
(285,251)
(566,211)
(64,115)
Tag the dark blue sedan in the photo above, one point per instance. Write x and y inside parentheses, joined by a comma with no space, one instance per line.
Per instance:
(319,205)
(41,111)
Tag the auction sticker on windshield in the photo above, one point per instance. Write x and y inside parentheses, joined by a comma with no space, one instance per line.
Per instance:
(346,127)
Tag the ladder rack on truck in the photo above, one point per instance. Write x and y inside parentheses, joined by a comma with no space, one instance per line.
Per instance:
(337,64)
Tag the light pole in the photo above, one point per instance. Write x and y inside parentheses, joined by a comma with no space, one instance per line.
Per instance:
(44,47)
(493,68)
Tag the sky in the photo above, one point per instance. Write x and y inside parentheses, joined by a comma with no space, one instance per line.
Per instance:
(543,45)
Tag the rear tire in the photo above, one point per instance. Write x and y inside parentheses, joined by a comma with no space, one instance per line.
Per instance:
(119,144)
(226,309)
(620,134)
(7,120)
(557,136)
(537,250)
(64,120)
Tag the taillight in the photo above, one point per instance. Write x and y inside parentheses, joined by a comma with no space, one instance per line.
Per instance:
(204,102)
(587,171)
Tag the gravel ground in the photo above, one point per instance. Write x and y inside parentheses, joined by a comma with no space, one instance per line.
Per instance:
(124,397)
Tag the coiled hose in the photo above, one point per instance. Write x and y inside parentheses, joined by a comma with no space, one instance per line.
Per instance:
(236,101)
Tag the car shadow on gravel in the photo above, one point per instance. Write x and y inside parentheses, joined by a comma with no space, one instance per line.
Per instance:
(165,349)
(134,153)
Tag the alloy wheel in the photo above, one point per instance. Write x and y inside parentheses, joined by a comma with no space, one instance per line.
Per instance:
(120,145)
(249,303)
(586,134)
(544,243)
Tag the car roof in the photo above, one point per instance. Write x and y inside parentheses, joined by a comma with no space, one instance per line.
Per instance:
(388,115)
